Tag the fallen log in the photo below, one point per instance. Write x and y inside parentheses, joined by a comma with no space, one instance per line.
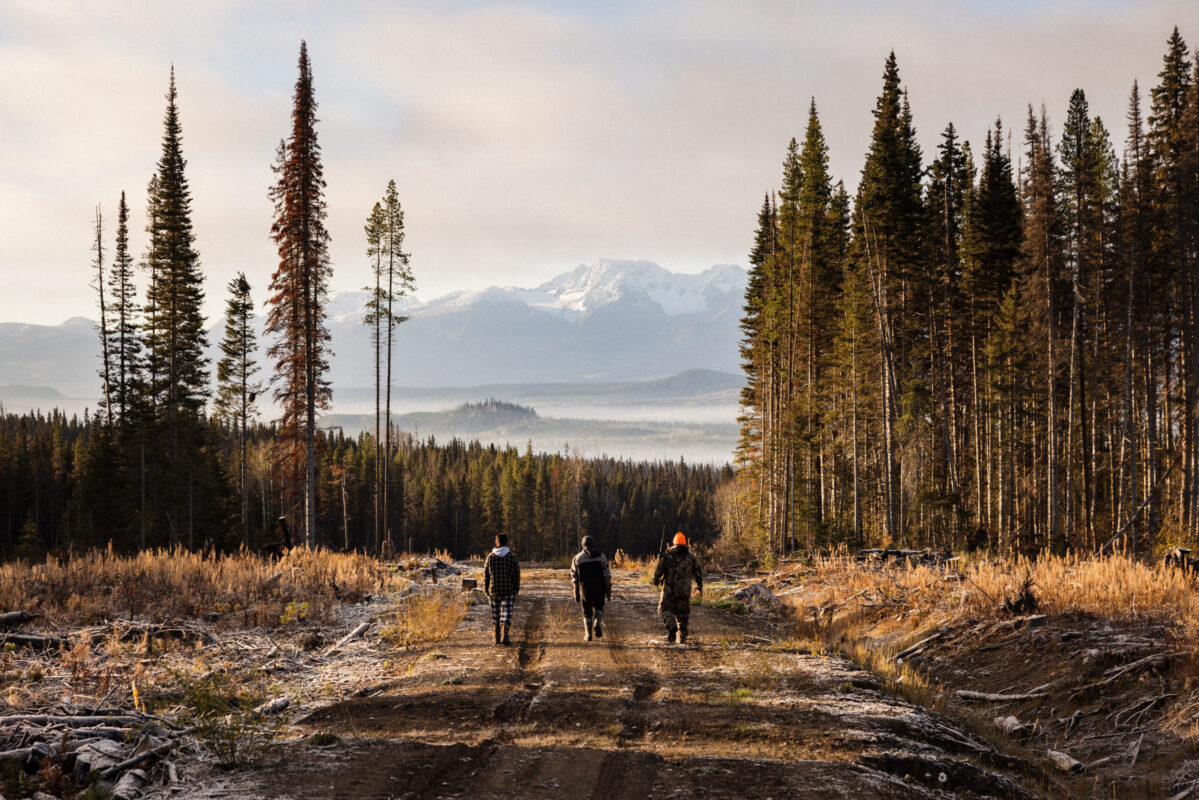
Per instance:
(15,618)
(69,721)
(1010,725)
(1116,673)
(988,697)
(96,756)
(1186,791)
(20,755)
(276,706)
(1135,751)
(1065,762)
(920,645)
(130,786)
(43,642)
(354,634)
(133,761)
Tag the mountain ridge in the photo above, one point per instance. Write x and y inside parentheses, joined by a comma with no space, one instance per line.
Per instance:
(610,320)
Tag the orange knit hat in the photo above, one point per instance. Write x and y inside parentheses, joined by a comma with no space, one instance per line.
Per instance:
(679,538)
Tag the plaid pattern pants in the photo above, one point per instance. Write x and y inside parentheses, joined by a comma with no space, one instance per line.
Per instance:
(501,609)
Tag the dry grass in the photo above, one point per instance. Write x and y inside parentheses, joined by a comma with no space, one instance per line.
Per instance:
(161,585)
(642,565)
(425,617)
(1113,587)
(870,611)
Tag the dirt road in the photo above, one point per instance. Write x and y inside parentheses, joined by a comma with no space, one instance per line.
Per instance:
(735,713)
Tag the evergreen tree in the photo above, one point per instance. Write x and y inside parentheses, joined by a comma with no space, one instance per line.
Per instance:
(1167,143)
(376,306)
(105,360)
(752,347)
(299,296)
(400,283)
(236,388)
(124,343)
(889,238)
(175,340)
(1041,269)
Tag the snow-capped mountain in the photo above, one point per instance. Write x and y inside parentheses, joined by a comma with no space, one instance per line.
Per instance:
(591,286)
(609,320)
(606,320)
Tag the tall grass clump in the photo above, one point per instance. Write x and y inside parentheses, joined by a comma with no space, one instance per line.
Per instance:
(423,617)
(241,589)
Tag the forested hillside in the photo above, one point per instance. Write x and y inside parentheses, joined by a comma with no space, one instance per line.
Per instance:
(63,487)
(993,344)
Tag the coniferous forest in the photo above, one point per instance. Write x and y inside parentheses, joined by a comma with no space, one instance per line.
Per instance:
(994,344)
(169,461)
(991,345)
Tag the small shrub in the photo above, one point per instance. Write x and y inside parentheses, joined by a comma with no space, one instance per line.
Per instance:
(220,708)
(294,614)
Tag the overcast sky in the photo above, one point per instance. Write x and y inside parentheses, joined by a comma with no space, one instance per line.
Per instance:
(525,138)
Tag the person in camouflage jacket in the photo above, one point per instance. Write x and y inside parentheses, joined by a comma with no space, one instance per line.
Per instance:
(676,569)
(501,582)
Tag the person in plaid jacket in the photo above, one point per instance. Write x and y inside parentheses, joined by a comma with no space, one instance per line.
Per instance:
(501,582)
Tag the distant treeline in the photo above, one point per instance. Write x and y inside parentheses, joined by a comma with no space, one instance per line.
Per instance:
(61,488)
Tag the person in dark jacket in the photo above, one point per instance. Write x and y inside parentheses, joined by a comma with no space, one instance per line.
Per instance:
(676,570)
(501,582)
(593,584)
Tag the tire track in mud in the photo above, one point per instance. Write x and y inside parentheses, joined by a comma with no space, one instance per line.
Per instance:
(642,681)
(529,652)
(625,774)
(532,640)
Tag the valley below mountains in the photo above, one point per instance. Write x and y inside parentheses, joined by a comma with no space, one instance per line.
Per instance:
(623,358)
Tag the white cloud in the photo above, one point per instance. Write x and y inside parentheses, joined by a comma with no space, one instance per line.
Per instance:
(524,138)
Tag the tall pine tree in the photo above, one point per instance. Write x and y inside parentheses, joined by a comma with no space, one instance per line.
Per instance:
(175,339)
(299,297)
(236,388)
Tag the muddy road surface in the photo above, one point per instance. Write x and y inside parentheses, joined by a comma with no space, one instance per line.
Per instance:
(737,712)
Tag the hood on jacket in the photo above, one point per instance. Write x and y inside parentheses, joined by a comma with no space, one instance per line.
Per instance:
(590,548)
(500,551)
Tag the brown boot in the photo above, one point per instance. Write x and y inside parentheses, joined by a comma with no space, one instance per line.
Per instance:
(506,639)
(497,634)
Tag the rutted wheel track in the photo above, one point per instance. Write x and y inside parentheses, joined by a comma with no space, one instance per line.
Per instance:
(529,652)
(642,681)
(532,640)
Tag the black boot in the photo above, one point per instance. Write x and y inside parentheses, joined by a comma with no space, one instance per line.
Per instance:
(599,625)
(682,631)
(670,635)
(587,626)
(497,634)
(506,639)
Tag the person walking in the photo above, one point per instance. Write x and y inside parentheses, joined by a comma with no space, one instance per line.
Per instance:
(677,568)
(501,582)
(593,584)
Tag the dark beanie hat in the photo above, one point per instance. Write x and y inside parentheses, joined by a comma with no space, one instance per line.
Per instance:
(589,542)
